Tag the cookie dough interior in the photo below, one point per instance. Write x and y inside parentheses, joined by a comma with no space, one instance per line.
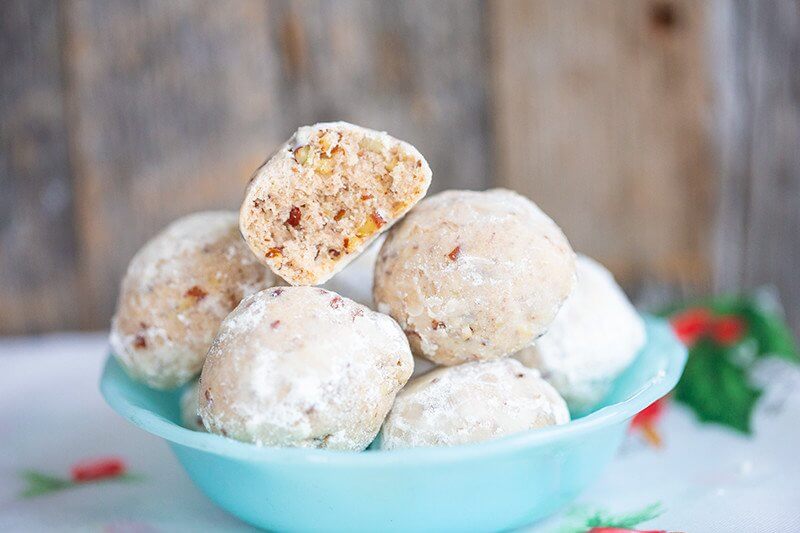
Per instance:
(328,193)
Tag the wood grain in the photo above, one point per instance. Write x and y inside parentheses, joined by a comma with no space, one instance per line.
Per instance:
(174,104)
(661,134)
(757,58)
(170,110)
(600,116)
(416,69)
(37,243)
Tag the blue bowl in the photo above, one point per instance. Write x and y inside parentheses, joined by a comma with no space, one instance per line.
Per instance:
(501,484)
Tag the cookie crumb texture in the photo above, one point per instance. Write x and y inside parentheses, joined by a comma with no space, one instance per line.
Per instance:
(472,402)
(595,336)
(325,195)
(303,367)
(175,293)
(473,276)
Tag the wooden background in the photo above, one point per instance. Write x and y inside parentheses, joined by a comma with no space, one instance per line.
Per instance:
(663,135)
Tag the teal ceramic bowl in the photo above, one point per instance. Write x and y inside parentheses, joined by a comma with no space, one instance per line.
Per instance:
(490,486)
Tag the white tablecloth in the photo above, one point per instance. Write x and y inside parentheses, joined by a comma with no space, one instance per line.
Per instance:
(703,478)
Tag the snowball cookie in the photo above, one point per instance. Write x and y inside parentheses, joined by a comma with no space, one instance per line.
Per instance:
(473,275)
(176,292)
(190,403)
(595,336)
(325,195)
(470,403)
(302,366)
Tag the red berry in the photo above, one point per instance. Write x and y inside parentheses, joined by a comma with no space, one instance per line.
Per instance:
(649,414)
(727,330)
(622,530)
(93,469)
(691,324)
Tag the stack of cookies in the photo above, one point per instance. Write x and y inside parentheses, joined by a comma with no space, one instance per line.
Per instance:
(483,286)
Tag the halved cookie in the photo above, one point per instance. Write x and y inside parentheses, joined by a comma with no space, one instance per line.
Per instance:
(325,195)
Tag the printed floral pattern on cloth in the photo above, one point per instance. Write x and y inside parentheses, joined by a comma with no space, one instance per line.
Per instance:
(81,473)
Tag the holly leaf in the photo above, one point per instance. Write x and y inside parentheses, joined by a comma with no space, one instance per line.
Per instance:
(582,519)
(625,521)
(764,325)
(772,334)
(39,483)
(716,389)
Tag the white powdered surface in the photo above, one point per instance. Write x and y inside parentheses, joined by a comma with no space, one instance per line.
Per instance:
(595,336)
(473,275)
(175,293)
(470,403)
(302,366)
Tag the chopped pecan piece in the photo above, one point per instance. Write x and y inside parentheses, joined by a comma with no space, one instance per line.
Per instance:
(371,225)
(294,216)
(324,167)
(328,140)
(378,219)
(139,341)
(397,207)
(274,252)
(301,154)
(197,293)
(370,144)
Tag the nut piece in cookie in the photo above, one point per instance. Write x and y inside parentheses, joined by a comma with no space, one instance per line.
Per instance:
(470,403)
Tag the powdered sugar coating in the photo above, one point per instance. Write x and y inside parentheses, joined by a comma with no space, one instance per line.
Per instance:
(470,403)
(595,336)
(303,367)
(473,275)
(175,293)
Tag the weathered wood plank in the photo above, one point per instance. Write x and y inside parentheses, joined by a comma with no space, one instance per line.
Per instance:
(600,115)
(174,104)
(416,69)
(758,125)
(171,109)
(37,245)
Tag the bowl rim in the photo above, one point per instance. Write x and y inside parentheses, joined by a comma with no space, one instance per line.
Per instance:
(654,388)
